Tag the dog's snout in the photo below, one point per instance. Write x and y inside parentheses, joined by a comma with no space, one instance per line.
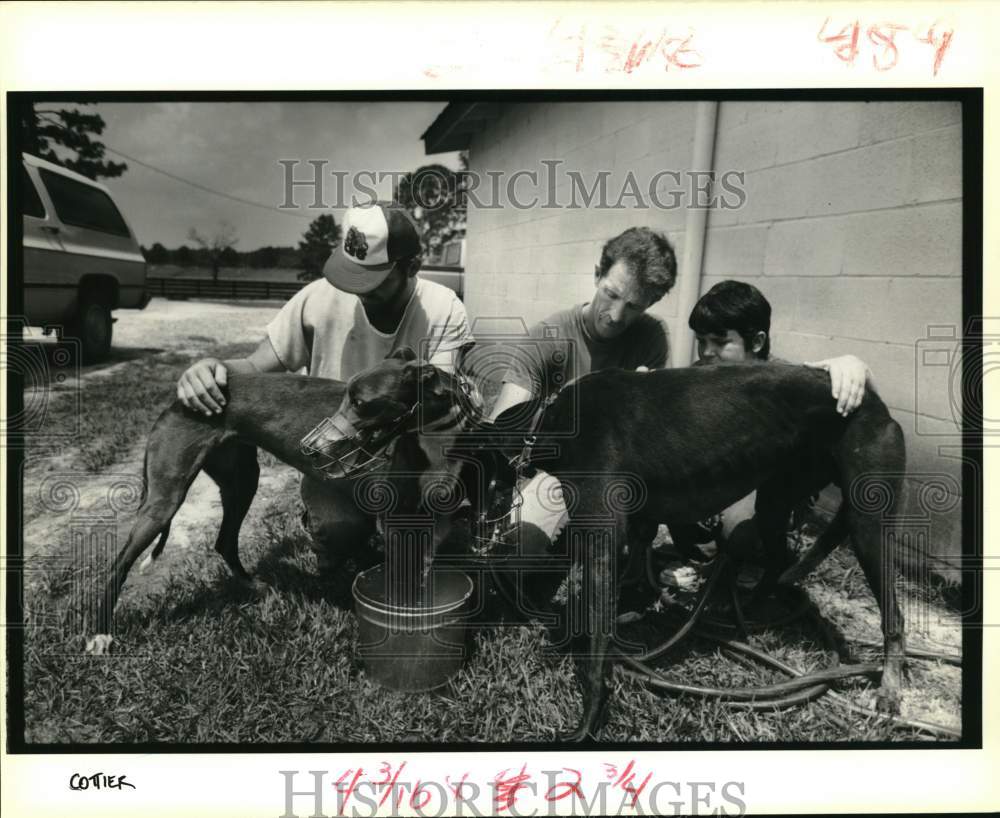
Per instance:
(328,432)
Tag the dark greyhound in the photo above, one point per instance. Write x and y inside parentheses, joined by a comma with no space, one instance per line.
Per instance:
(276,412)
(689,443)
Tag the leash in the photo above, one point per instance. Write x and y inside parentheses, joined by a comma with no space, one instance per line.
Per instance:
(519,464)
(521,461)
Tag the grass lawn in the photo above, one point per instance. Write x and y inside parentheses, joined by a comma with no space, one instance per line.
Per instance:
(197,660)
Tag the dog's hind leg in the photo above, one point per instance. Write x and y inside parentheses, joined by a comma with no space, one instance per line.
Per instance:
(595,551)
(873,487)
(175,451)
(233,466)
(878,563)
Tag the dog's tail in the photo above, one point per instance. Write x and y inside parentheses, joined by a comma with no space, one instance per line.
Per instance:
(144,495)
(832,536)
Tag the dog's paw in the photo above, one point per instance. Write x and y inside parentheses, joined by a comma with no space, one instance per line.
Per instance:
(100,644)
(578,736)
(887,701)
(628,617)
(253,587)
(792,575)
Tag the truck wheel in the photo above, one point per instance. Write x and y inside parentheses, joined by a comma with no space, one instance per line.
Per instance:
(92,326)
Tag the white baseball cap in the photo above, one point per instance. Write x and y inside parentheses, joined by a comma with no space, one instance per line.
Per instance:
(375,237)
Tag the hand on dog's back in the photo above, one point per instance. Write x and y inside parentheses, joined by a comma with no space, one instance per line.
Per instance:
(200,387)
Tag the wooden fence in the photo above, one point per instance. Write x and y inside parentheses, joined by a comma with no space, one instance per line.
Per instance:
(179,287)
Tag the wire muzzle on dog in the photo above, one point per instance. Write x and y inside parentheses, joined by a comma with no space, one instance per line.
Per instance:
(340,450)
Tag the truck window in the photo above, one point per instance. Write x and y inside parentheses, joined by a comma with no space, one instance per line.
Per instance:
(452,253)
(31,203)
(82,205)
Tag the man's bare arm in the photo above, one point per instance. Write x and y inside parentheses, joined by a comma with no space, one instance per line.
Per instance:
(199,386)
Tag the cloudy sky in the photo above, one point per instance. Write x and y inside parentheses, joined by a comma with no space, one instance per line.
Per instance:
(234,148)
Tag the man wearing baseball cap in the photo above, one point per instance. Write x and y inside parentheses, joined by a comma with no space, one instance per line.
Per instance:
(368,303)
(376,304)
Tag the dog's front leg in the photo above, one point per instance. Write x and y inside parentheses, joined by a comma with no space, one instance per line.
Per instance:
(772,511)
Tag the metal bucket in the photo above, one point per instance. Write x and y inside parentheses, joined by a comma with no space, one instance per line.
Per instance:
(410,647)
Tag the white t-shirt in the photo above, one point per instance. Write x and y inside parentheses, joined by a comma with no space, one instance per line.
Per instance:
(326,332)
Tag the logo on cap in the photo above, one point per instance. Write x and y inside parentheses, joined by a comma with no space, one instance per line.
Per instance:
(356,244)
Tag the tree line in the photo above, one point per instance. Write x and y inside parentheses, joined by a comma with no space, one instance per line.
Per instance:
(186,256)
(217,249)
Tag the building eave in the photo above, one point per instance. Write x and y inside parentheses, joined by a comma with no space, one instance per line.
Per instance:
(455,126)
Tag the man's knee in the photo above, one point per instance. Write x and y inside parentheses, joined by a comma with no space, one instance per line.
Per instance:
(338,529)
(542,510)
(331,503)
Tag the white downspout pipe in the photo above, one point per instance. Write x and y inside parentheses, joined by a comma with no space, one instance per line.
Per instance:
(695,227)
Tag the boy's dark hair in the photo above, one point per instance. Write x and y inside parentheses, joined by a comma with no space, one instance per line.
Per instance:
(734,305)
(649,257)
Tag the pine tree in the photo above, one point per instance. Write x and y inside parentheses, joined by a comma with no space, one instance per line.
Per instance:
(317,244)
(42,127)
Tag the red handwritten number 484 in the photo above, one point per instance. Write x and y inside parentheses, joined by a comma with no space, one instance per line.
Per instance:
(882,37)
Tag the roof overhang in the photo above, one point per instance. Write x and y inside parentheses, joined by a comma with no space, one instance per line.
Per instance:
(455,125)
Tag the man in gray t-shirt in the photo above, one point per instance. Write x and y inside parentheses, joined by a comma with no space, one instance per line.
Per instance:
(564,347)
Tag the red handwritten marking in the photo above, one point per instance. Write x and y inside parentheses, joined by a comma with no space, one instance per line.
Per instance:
(847,49)
(620,53)
(564,789)
(683,48)
(638,54)
(415,802)
(576,40)
(456,789)
(885,34)
(887,47)
(338,785)
(940,43)
(506,788)
(624,781)
(386,769)
(611,44)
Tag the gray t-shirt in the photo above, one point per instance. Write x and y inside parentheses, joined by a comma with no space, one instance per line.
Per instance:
(561,349)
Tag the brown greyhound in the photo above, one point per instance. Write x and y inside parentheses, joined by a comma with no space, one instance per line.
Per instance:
(276,412)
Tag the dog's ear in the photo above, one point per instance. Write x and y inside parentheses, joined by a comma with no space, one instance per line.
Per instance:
(404,353)
(425,375)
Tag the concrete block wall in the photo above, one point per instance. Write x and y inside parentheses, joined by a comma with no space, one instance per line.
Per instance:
(851,228)
(531,262)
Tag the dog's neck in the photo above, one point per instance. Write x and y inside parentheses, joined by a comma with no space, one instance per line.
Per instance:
(442,418)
